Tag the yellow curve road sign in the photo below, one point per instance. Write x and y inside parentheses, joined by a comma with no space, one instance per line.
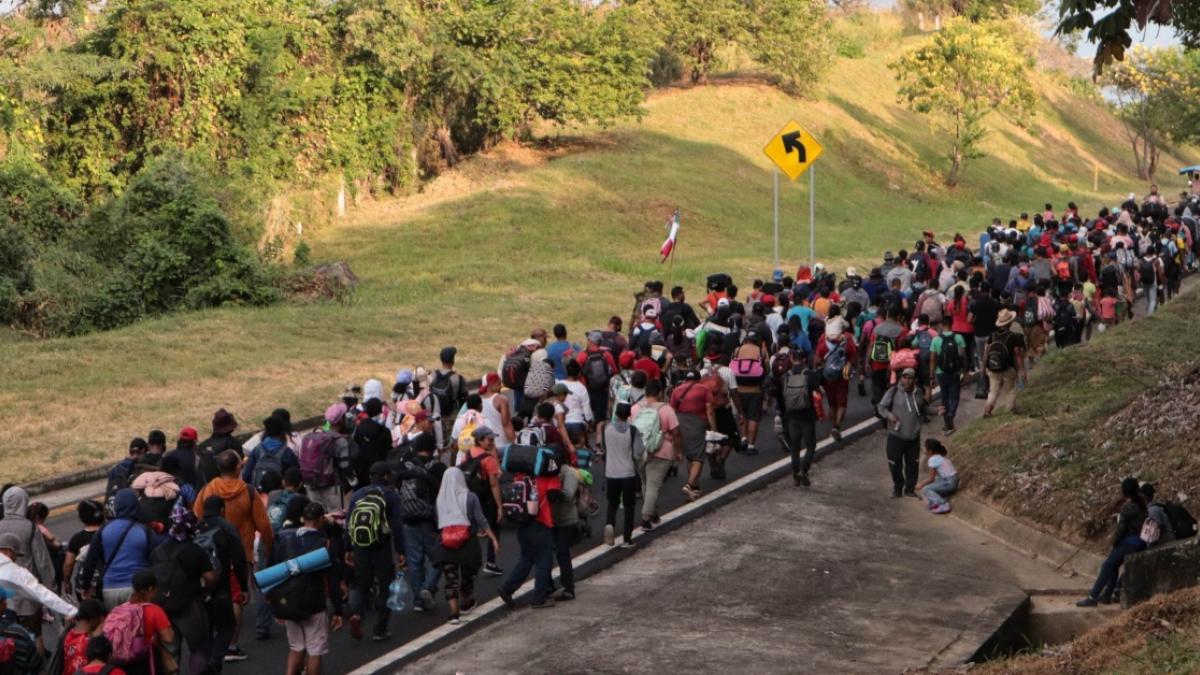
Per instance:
(793,149)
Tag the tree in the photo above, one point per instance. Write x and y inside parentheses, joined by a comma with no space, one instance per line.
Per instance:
(960,76)
(696,29)
(792,39)
(1111,32)
(1158,101)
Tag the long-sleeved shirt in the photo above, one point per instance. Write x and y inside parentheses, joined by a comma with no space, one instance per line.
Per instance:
(1129,522)
(20,580)
(123,546)
(394,516)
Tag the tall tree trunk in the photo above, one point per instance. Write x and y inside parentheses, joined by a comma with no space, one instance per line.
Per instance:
(956,161)
(449,150)
(1152,165)
(1137,160)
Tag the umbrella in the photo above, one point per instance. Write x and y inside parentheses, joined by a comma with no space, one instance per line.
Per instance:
(1189,169)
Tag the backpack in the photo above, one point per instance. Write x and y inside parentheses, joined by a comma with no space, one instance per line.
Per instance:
(797,396)
(716,384)
(206,465)
(1029,314)
(882,348)
(596,370)
(316,459)
(1064,316)
(650,427)
(930,306)
(207,540)
(515,369)
(441,387)
(476,481)
(292,599)
(175,589)
(834,367)
(277,508)
(532,435)
(367,523)
(950,358)
(748,372)
(267,461)
(780,367)
(922,270)
(539,380)
(123,627)
(518,499)
(1045,308)
(1182,522)
(1125,258)
(925,343)
(997,358)
(1151,531)
(1146,272)
(416,502)
(466,437)
(1109,277)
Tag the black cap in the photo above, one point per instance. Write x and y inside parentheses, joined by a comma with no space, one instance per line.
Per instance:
(380,469)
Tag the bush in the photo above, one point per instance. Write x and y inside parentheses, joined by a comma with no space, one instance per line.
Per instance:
(34,203)
(300,256)
(849,47)
(665,68)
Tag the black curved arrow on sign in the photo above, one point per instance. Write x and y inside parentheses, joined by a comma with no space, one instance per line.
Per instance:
(792,142)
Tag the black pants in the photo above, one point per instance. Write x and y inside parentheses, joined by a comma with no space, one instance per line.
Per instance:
(488,505)
(902,455)
(622,490)
(879,387)
(221,617)
(801,430)
(565,537)
(373,566)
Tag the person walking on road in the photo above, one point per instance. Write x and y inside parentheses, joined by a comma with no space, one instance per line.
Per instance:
(534,534)
(566,526)
(457,550)
(375,525)
(658,460)
(903,407)
(623,448)
(33,554)
(308,635)
(693,403)
(497,411)
(418,476)
(482,473)
(119,550)
(947,362)
(801,408)
(220,538)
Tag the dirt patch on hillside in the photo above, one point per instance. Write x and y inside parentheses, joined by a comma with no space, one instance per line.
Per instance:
(1151,638)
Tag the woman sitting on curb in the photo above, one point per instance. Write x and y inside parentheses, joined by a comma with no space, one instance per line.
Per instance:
(1126,540)
(943,477)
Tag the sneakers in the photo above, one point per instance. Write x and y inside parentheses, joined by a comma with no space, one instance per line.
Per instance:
(750,452)
(262,635)
(380,637)
(628,544)
(835,434)
(235,653)
(949,429)
(610,536)
(801,479)
(545,604)
(492,569)
(565,596)
(911,493)
(862,389)
(356,627)
(647,525)
(465,606)
(425,599)
(506,597)
(455,621)
(940,508)
(1087,602)
(895,494)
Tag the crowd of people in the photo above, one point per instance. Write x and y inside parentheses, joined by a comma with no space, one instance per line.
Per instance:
(414,483)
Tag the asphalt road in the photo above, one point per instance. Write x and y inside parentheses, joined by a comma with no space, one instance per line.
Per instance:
(347,654)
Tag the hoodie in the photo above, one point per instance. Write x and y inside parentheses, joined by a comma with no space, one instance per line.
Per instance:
(122,547)
(33,554)
(243,509)
(275,447)
(909,409)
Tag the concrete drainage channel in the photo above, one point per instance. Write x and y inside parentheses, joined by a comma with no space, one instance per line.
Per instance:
(1042,619)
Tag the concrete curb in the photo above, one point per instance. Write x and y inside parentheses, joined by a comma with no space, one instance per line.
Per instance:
(601,557)
(1030,541)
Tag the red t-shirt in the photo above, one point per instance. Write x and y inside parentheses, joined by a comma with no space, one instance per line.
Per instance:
(545,485)
(490,466)
(583,357)
(958,310)
(648,366)
(94,670)
(692,398)
(154,619)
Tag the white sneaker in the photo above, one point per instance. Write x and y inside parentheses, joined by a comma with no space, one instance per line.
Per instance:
(610,536)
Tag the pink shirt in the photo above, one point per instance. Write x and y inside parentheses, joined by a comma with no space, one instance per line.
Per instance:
(668,423)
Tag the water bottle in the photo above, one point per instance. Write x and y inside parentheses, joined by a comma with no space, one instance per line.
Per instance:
(398,593)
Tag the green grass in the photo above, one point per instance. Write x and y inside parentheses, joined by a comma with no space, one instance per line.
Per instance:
(1057,459)
(564,231)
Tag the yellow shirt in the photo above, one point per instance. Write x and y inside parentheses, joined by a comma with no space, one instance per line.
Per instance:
(1023,225)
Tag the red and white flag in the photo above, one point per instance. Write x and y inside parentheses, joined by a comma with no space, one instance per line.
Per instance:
(669,245)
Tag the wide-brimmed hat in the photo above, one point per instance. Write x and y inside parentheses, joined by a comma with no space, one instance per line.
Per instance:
(223,422)
(1005,317)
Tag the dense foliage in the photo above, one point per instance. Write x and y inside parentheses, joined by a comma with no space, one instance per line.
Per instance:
(961,75)
(1111,25)
(251,97)
(1157,92)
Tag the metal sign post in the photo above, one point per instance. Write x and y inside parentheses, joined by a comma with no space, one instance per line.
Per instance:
(812,215)
(794,150)
(776,174)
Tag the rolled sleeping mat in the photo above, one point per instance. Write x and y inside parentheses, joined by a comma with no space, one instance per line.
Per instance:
(274,575)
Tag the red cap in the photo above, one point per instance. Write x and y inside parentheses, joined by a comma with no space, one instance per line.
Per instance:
(768,300)
(488,381)
(188,434)
(626,359)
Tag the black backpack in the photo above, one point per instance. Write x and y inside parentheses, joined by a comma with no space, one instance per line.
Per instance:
(476,482)
(596,370)
(997,358)
(1182,522)
(442,387)
(1109,277)
(175,589)
(1146,272)
(416,498)
(1064,316)
(515,368)
(950,358)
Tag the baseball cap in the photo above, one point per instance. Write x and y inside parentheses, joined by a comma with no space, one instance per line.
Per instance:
(380,469)
(335,412)
(10,541)
(188,434)
(626,359)
(482,434)
(488,380)
(559,388)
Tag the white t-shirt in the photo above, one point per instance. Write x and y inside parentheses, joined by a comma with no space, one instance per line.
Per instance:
(579,404)
(943,466)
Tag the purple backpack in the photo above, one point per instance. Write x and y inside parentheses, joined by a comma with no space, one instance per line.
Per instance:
(316,458)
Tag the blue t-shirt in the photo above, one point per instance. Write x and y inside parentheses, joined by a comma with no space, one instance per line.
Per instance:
(131,557)
(805,313)
(555,351)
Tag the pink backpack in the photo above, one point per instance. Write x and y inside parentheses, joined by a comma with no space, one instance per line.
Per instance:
(124,628)
(316,458)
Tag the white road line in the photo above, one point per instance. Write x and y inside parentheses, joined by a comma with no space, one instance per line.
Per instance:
(495,604)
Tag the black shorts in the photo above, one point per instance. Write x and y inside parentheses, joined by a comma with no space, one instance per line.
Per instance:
(752,405)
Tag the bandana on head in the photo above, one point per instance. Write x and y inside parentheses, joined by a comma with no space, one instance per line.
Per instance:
(183,523)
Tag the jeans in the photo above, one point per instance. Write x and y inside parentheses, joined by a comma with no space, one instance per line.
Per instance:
(622,490)
(419,540)
(937,491)
(801,430)
(373,566)
(1107,580)
(951,385)
(1151,298)
(565,537)
(537,555)
(656,473)
(263,617)
(980,351)
(902,454)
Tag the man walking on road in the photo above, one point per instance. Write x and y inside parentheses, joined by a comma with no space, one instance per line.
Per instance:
(903,406)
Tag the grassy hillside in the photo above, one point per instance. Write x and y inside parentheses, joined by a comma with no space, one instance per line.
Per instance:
(1125,404)
(519,237)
